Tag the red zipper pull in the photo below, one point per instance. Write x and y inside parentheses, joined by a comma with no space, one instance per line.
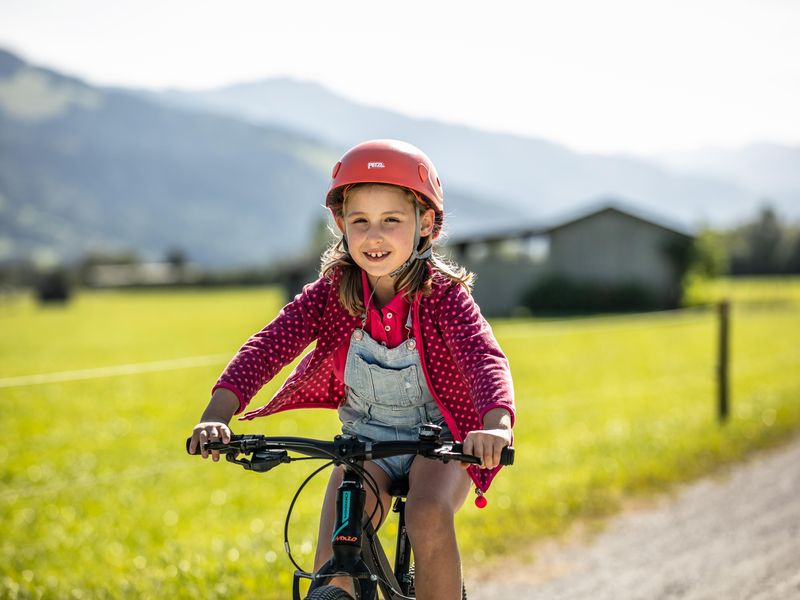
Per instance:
(480,499)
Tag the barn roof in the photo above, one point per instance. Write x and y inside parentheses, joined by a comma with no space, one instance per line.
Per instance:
(542,228)
(614,205)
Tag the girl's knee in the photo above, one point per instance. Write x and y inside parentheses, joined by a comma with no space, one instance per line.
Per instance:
(429,518)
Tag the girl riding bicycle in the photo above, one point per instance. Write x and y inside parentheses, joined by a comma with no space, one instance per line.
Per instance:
(399,342)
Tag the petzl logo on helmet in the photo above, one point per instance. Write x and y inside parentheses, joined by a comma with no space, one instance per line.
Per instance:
(376,165)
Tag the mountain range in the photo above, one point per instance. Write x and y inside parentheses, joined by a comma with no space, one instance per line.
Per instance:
(540,177)
(237,175)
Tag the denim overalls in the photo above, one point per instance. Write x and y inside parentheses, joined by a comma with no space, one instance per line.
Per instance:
(387,396)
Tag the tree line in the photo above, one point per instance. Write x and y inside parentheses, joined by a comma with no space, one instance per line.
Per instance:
(766,245)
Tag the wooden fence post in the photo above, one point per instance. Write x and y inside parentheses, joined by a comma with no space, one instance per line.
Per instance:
(723,358)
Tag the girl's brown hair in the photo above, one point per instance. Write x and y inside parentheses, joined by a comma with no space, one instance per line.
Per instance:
(415,279)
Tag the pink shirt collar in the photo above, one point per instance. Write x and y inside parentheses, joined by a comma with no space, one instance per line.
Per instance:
(396,309)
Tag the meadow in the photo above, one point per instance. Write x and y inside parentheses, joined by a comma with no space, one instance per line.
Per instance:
(99,499)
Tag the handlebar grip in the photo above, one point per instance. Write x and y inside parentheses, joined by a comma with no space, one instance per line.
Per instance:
(507,456)
(234,438)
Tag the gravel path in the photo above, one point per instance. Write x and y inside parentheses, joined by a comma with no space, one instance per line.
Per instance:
(731,537)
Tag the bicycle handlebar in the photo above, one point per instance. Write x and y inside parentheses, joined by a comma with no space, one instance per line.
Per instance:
(274,450)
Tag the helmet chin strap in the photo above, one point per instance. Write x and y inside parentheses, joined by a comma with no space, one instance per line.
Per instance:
(415,254)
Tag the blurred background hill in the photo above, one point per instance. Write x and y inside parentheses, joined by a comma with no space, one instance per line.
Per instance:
(235,176)
(87,169)
(542,178)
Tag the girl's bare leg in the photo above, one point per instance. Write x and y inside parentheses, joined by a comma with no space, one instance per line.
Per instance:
(436,491)
(328,516)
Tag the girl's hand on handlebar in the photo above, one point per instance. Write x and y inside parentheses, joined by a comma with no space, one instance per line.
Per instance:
(210,431)
(486,445)
(213,424)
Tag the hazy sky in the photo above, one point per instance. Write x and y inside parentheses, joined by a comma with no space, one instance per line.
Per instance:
(604,76)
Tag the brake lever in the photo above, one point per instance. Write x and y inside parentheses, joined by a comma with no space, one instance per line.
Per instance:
(231,457)
(261,461)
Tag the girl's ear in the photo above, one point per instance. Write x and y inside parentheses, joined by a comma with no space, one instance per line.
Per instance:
(340,224)
(426,221)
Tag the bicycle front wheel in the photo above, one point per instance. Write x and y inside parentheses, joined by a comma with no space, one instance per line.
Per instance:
(328,592)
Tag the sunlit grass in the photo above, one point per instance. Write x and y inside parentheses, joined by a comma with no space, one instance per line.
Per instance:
(99,500)
(768,289)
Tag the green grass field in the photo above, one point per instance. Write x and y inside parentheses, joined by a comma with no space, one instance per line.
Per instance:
(98,499)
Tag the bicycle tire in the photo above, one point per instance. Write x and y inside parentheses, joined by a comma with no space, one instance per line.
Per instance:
(412,590)
(328,592)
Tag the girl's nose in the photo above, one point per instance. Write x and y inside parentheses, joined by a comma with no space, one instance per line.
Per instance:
(375,234)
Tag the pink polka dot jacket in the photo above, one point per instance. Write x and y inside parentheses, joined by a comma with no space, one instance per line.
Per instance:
(466,371)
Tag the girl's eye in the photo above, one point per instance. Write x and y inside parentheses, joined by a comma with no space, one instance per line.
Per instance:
(392,220)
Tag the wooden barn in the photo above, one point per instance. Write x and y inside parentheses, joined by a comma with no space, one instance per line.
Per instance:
(609,246)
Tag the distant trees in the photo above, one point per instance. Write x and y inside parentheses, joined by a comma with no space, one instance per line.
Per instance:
(709,255)
(764,246)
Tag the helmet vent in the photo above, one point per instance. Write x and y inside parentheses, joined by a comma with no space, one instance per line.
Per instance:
(423,173)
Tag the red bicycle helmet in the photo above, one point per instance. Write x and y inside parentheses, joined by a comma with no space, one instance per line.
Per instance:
(392,162)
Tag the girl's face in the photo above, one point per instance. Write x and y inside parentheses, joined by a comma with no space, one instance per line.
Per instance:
(379,223)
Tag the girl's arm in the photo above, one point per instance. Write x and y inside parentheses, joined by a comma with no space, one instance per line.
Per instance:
(476,353)
(258,361)
(275,346)
(478,356)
